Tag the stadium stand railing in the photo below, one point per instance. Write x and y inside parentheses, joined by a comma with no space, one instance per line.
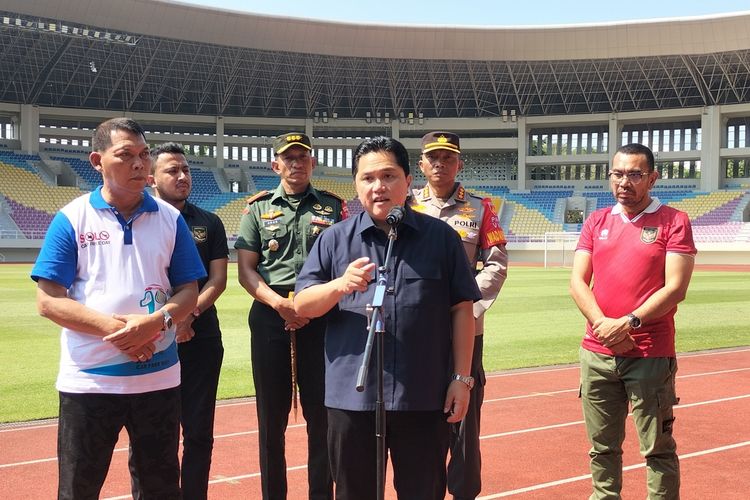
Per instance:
(524,215)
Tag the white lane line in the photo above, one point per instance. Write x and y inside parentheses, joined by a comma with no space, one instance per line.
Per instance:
(718,372)
(521,371)
(530,395)
(493,400)
(584,477)
(122,449)
(230,479)
(580,422)
(25,427)
(712,401)
(484,437)
(531,429)
(564,391)
(711,353)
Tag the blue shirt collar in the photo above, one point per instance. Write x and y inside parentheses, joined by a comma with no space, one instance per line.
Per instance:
(365,222)
(98,202)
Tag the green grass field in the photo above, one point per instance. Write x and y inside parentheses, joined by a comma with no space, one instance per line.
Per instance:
(533,323)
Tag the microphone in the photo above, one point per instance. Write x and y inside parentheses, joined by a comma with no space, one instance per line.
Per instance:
(395,216)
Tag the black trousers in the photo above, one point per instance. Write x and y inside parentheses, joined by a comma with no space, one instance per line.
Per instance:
(200,360)
(417,442)
(89,426)
(465,465)
(271,360)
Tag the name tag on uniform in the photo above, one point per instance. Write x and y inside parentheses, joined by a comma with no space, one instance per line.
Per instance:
(321,221)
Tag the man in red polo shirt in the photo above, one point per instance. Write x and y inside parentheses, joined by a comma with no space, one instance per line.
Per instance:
(639,255)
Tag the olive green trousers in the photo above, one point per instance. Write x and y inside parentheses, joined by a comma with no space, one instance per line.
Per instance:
(609,384)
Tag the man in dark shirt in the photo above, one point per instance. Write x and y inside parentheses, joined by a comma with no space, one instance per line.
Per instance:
(198,335)
(429,328)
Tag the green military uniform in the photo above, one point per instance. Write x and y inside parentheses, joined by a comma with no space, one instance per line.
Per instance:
(282,228)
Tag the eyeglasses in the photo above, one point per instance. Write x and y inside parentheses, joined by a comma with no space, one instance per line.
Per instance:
(633,177)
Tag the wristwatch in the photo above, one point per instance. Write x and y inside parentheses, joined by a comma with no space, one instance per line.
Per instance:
(196,312)
(468,380)
(168,322)
(634,321)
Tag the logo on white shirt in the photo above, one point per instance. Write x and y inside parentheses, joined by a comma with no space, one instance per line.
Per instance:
(93,238)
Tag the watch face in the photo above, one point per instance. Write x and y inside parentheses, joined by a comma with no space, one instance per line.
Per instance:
(167,320)
(634,322)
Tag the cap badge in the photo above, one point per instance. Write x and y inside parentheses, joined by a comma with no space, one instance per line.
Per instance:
(293,138)
(442,139)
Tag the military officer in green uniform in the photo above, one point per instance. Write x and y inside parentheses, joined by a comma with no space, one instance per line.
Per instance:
(277,231)
(475,220)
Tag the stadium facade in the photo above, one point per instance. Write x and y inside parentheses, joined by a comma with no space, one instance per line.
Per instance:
(541,110)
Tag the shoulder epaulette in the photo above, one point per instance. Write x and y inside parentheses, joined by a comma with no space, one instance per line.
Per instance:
(329,193)
(257,196)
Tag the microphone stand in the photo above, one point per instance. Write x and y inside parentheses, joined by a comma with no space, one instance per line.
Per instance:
(375,325)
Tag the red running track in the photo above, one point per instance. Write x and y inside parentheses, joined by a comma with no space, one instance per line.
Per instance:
(533,441)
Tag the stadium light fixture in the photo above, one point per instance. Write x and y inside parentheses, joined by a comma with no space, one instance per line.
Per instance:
(411,118)
(377,117)
(505,115)
(421,118)
(387,118)
(368,117)
(512,115)
(325,117)
(316,118)
(334,115)
(70,30)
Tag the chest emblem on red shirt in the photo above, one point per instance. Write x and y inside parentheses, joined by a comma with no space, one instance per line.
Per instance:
(649,234)
(200,234)
(604,234)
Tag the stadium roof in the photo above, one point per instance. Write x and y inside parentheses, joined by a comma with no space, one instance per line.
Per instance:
(167,57)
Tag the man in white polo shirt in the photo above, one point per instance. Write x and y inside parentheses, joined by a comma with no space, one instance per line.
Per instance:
(116,270)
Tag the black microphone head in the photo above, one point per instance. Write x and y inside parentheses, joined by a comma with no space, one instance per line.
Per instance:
(395,216)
